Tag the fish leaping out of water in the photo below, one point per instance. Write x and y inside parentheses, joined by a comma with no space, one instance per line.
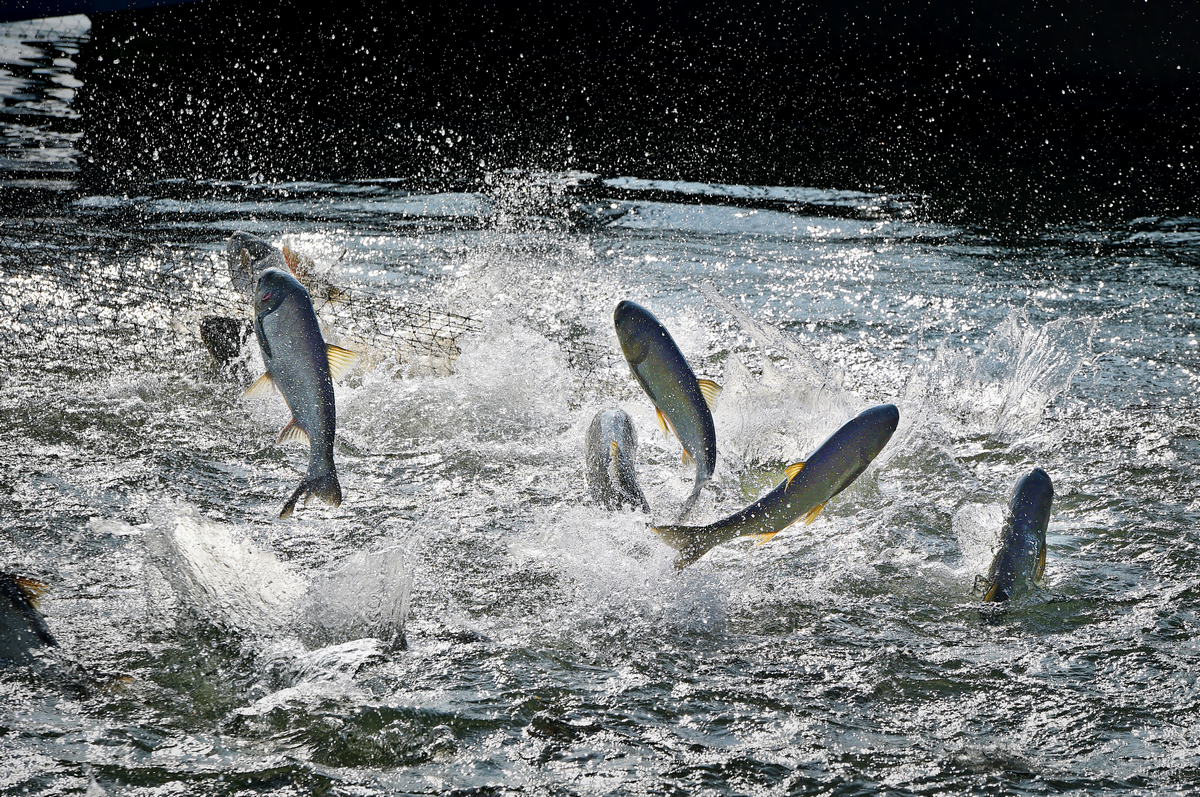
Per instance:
(682,402)
(803,494)
(302,366)
(1021,559)
(609,449)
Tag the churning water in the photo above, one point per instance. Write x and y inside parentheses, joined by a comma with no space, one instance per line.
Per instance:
(550,646)
(470,620)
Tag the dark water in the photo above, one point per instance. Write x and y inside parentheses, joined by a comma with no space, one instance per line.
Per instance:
(550,646)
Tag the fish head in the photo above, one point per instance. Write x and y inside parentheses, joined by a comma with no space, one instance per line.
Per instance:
(274,286)
(878,425)
(634,324)
(1022,555)
(1032,498)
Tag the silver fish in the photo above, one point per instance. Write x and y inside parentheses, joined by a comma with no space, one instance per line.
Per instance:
(22,628)
(682,401)
(302,367)
(1021,560)
(609,450)
(808,487)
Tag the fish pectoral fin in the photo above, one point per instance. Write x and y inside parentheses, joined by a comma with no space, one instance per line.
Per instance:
(1040,570)
(31,588)
(340,360)
(792,471)
(812,514)
(262,387)
(710,390)
(292,431)
(764,538)
(662,422)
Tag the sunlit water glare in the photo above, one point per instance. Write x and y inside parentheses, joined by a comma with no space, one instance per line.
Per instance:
(549,646)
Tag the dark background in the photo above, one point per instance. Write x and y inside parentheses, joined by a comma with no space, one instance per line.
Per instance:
(996,111)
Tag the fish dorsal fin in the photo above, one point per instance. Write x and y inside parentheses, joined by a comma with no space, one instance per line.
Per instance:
(792,471)
(614,454)
(662,422)
(710,390)
(1041,564)
(292,259)
(812,514)
(31,588)
(292,431)
(340,360)
(262,387)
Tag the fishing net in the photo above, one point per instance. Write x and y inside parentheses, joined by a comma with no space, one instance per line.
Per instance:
(63,310)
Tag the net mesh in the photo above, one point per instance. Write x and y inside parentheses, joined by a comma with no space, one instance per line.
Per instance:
(58,310)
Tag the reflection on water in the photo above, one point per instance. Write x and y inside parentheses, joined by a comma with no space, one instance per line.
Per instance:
(37,87)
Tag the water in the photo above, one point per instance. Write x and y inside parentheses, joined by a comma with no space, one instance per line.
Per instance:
(548,646)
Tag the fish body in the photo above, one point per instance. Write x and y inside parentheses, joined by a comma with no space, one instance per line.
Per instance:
(298,364)
(681,400)
(22,628)
(1021,560)
(832,468)
(609,450)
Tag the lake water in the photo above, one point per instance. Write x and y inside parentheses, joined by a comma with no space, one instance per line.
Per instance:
(469,620)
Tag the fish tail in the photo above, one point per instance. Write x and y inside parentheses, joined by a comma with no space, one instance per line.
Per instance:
(692,542)
(690,502)
(323,485)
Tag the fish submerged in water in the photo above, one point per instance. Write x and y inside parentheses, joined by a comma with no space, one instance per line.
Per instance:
(302,366)
(681,401)
(809,485)
(23,630)
(1021,560)
(609,450)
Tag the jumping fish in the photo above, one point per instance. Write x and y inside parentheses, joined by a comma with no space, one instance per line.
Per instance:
(302,367)
(808,487)
(22,628)
(609,450)
(1021,560)
(681,401)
